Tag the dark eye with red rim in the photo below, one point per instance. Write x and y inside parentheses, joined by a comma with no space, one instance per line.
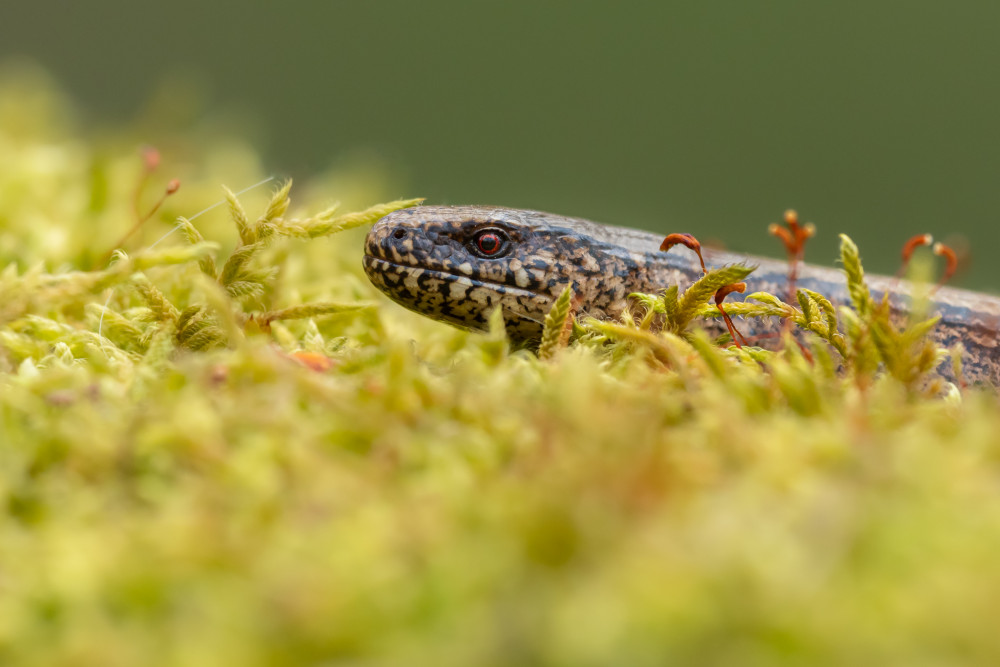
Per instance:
(490,243)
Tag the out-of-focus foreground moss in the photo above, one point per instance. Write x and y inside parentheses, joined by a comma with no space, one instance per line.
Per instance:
(432,498)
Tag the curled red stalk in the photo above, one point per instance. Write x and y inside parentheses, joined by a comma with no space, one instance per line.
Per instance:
(686,240)
(951,262)
(720,296)
(939,249)
(909,248)
(914,243)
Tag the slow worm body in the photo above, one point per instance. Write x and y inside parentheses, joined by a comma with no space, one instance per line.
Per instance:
(457,264)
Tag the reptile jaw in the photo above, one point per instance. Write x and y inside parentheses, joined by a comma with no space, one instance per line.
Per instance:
(457,299)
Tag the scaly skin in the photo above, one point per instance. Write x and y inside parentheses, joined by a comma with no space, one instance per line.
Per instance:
(426,259)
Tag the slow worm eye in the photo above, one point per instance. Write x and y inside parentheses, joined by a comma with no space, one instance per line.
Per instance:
(490,243)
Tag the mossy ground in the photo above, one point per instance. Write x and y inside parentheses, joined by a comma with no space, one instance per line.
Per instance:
(433,497)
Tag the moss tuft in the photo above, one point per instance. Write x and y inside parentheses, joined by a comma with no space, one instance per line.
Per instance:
(230,449)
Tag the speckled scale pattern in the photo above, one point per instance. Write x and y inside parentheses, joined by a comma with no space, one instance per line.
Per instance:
(423,258)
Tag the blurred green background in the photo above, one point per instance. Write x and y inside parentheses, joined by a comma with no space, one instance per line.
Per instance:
(876,119)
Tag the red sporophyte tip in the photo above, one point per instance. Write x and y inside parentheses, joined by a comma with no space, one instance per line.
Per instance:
(774,229)
(939,249)
(913,243)
(686,240)
(909,248)
(313,360)
(173,186)
(794,238)
(150,158)
(951,261)
(729,289)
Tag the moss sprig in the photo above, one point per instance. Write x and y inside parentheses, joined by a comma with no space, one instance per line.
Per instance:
(558,325)
(861,298)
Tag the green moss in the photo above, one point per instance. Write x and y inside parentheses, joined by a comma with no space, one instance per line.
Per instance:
(178,488)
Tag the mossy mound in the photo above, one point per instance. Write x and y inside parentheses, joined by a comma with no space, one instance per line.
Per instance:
(261,461)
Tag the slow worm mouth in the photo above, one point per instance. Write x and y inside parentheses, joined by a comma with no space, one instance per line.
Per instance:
(383,267)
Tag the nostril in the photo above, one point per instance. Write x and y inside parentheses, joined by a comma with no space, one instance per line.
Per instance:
(399,233)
